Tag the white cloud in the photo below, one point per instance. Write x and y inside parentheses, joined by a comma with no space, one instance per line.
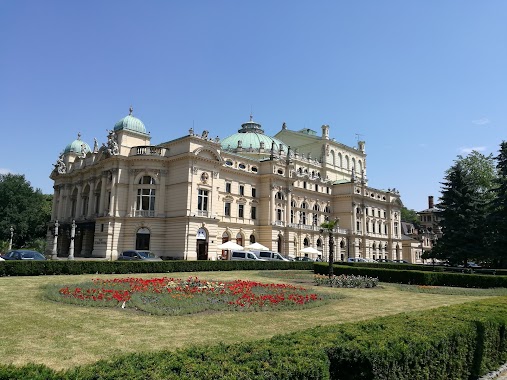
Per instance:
(5,171)
(482,121)
(465,150)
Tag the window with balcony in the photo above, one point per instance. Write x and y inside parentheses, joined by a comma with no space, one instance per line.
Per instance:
(145,201)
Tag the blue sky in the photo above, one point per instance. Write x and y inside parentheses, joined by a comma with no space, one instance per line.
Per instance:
(420,81)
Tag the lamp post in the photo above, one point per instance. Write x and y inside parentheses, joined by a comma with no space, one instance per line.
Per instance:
(329,226)
(10,240)
(72,236)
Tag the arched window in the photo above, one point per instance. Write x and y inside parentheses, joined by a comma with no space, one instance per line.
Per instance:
(354,164)
(347,166)
(147,180)
(360,165)
(319,244)
(333,158)
(316,207)
(239,239)
(280,244)
(252,239)
(293,204)
(304,205)
(340,161)
(279,195)
(143,238)
(306,242)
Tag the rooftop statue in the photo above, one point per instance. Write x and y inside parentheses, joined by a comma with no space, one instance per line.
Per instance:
(112,144)
(60,166)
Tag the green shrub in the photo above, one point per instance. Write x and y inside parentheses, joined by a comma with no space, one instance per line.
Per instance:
(52,267)
(418,277)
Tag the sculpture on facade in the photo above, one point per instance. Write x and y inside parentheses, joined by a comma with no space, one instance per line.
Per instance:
(95,145)
(60,166)
(112,144)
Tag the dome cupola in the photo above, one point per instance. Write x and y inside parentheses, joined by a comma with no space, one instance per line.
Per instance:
(130,123)
(77,146)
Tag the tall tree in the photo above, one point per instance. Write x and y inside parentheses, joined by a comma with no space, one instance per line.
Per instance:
(26,209)
(497,220)
(463,212)
(409,215)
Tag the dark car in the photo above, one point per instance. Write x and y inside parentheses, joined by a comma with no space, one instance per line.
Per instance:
(23,254)
(138,255)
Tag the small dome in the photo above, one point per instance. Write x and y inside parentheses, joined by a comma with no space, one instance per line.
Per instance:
(130,123)
(77,146)
(251,136)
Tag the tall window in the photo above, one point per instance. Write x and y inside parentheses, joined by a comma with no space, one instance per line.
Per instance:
(145,205)
(395,228)
(292,216)
(227,209)
(241,190)
(279,195)
(315,219)
(241,211)
(254,192)
(254,213)
(228,187)
(202,200)
(278,214)
(302,217)
(145,199)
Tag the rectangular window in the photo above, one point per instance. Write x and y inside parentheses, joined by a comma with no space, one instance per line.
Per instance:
(367,226)
(145,199)
(385,229)
(228,187)
(292,216)
(278,214)
(254,212)
(241,209)
(358,226)
(304,184)
(254,192)
(227,209)
(395,228)
(327,189)
(241,190)
(202,200)
(316,187)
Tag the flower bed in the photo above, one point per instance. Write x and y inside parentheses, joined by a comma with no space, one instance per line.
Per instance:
(343,281)
(170,296)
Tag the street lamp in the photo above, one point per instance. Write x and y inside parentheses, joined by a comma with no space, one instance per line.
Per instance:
(329,226)
(55,240)
(12,234)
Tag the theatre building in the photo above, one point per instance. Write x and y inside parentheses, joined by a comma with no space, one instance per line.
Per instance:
(184,197)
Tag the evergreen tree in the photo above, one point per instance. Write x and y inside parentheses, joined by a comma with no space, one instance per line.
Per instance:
(463,212)
(26,209)
(497,220)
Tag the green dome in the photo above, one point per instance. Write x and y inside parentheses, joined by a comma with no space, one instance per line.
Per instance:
(130,123)
(77,146)
(251,137)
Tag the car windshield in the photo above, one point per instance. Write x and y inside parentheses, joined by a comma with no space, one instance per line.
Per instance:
(146,254)
(30,255)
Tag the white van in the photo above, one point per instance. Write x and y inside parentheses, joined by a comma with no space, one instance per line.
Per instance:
(270,256)
(244,255)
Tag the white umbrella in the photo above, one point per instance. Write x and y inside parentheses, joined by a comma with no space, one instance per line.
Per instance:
(257,247)
(230,245)
(310,250)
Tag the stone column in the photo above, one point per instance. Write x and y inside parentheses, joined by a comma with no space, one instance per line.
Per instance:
(131,195)
(114,190)
(79,201)
(160,196)
(103,195)
(288,207)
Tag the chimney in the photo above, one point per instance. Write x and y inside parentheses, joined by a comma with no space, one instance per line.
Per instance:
(430,201)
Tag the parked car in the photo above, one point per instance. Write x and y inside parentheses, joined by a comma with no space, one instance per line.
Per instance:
(303,259)
(270,256)
(384,261)
(244,255)
(356,260)
(138,255)
(400,261)
(23,254)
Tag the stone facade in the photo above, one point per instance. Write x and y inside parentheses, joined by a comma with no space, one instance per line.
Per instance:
(184,197)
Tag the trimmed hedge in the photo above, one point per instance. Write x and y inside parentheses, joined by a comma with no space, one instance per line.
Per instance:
(57,267)
(457,342)
(418,277)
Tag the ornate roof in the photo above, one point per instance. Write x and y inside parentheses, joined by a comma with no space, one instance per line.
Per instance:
(77,146)
(251,137)
(130,123)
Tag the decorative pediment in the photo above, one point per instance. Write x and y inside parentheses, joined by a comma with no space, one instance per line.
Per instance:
(207,154)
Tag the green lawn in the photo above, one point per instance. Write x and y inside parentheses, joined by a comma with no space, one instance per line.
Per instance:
(62,335)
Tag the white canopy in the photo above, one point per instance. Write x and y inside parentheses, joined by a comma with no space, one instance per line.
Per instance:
(230,245)
(257,247)
(310,251)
